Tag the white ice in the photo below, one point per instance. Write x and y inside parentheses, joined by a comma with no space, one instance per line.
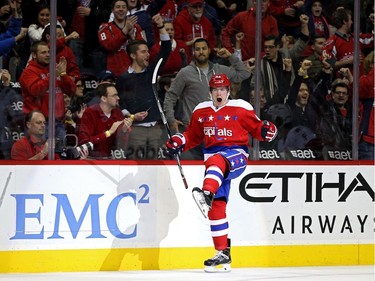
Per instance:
(328,273)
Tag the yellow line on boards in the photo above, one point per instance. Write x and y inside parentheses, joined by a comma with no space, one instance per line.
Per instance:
(182,258)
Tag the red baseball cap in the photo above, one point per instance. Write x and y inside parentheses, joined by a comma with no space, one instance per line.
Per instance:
(194,2)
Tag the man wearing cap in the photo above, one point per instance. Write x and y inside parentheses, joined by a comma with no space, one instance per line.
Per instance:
(191,24)
(106,76)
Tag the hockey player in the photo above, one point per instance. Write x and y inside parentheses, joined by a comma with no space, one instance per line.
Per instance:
(224,126)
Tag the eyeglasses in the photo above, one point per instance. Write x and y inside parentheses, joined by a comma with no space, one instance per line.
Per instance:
(40,122)
(341,93)
(80,86)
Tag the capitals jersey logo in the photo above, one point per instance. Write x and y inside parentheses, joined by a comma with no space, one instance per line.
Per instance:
(220,134)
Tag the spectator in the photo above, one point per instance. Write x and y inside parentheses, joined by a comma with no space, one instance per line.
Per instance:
(366,7)
(33,146)
(103,124)
(366,95)
(278,64)
(136,95)
(287,13)
(190,86)
(13,33)
(340,46)
(88,16)
(318,24)
(63,50)
(138,9)
(315,70)
(36,29)
(11,116)
(191,24)
(208,11)
(245,22)
(115,35)
(276,72)
(336,128)
(304,107)
(35,85)
(179,56)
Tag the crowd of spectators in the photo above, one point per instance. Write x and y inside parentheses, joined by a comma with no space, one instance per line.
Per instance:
(106,52)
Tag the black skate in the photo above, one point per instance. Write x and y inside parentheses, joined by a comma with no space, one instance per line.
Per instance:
(203,200)
(219,263)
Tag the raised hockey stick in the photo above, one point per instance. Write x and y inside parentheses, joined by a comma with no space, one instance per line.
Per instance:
(154,88)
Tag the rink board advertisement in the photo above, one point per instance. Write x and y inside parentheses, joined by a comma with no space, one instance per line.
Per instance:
(121,217)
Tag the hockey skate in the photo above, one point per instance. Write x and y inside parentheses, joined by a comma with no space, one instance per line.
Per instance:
(203,200)
(219,263)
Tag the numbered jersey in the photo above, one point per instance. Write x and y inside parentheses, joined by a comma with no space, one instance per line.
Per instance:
(115,41)
(225,127)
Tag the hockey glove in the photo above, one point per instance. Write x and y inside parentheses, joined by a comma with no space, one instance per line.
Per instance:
(175,144)
(269,131)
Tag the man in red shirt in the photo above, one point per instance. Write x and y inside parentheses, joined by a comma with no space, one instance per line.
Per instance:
(191,24)
(103,124)
(33,146)
(245,22)
(34,83)
(115,35)
(340,46)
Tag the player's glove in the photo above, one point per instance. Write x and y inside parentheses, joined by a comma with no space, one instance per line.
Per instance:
(175,144)
(269,131)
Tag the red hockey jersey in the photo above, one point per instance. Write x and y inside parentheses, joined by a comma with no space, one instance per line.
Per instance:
(114,41)
(224,127)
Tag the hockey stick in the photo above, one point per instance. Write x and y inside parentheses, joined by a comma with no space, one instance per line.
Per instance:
(154,88)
